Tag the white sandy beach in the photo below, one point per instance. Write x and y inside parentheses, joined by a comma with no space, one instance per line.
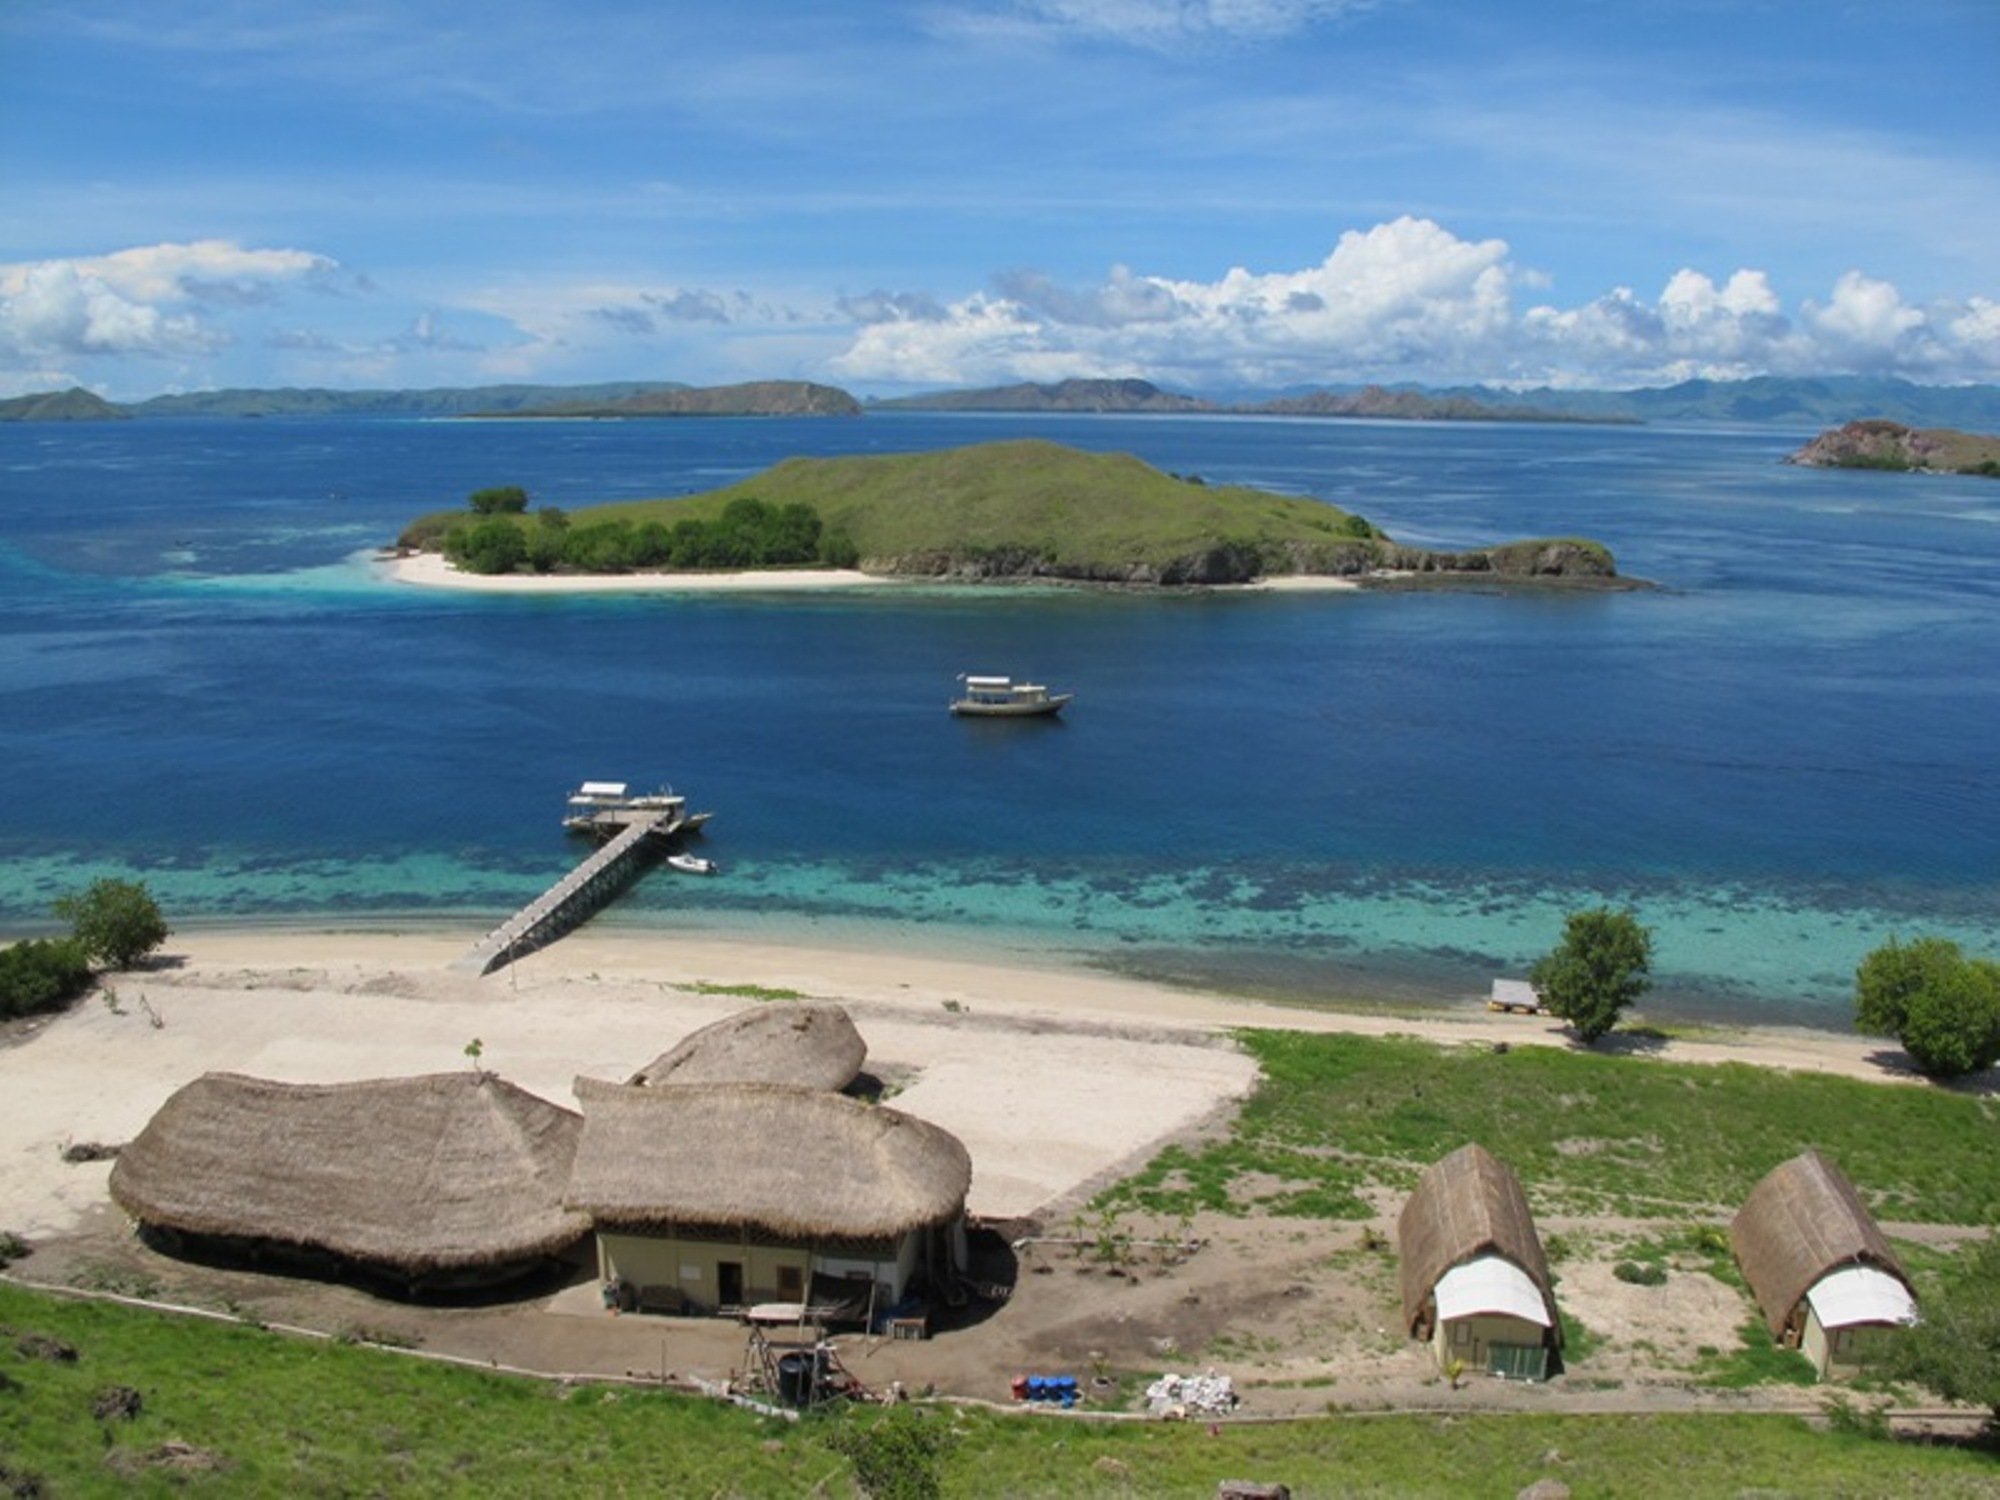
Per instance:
(1052,1078)
(430,570)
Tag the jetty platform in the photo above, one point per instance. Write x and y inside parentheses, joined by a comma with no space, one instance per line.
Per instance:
(633,836)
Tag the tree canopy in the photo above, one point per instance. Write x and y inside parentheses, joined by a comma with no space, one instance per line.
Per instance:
(1600,967)
(115,922)
(1941,1005)
(499,500)
(747,534)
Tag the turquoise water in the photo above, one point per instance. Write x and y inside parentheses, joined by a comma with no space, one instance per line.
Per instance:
(1779,758)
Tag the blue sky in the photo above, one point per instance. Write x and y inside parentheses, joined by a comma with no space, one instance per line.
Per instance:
(908,194)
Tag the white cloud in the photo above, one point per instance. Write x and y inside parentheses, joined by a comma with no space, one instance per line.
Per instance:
(155,300)
(1408,299)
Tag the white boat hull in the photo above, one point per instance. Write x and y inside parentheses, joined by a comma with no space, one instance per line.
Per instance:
(1031,708)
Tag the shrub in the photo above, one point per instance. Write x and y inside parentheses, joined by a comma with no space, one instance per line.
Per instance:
(494,545)
(1637,1274)
(40,974)
(896,1455)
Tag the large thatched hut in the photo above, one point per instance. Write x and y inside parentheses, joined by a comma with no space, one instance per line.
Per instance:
(1819,1266)
(714,1196)
(430,1182)
(806,1045)
(1475,1281)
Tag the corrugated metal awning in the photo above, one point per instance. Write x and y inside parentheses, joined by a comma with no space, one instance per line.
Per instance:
(1490,1284)
(1861,1294)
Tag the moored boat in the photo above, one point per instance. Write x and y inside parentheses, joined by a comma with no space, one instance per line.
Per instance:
(1003,697)
(599,806)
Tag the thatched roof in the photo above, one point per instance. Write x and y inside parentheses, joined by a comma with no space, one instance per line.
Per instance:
(446,1172)
(1466,1205)
(1802,1221)
(808,1046)
(801,1163)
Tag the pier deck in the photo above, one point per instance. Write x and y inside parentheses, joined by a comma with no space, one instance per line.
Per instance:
(579,893)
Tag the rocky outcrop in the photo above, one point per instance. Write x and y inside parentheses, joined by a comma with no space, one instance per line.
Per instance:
(1871,444)
(1546,561)
(1881,444)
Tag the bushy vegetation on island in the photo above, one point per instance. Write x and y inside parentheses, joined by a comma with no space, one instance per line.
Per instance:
(113,924)
(1943,1006)
(747,534)
(1024,509)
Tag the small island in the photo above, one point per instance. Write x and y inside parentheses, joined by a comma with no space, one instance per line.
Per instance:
(1018,510)
(1877,443)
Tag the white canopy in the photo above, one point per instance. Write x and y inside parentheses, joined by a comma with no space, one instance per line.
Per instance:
(1861,1294)
(1490,1284)
(602,789)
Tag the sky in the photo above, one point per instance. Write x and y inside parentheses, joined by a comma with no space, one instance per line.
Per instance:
(1222,196)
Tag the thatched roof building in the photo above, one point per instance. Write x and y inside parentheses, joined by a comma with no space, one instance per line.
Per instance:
(1466,1206)
(419,1177)
(804,1045)
(1802,1222)
(800,1163)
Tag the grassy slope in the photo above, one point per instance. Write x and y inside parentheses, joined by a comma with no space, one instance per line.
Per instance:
(1586,1133)
(288,1416)
(1072,507)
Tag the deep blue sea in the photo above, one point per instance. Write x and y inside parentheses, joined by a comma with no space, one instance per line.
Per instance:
(1787,753)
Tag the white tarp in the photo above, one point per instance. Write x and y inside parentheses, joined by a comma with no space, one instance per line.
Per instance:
(1490,1284)
(1861,1294)
(602,789)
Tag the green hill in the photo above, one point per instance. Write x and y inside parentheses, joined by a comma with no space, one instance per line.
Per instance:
(1033,509)
(73,405)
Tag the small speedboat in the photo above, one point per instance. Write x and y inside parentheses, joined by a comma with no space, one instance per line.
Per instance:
(691,864)
(1003,697)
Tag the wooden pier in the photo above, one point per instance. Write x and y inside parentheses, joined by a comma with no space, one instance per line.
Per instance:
(638,835)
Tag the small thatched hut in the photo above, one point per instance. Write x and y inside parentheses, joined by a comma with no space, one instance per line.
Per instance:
(1819,1266)
(712,1196)
(430,1182)
(1475,1281)
(806,1046)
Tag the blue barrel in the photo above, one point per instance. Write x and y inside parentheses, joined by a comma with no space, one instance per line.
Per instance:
(1038,1388)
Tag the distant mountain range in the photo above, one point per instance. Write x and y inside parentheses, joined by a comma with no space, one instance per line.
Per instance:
(1143,396)
(1820,401)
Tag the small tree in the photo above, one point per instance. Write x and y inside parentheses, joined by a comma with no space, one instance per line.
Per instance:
(1942,1006)
(1598,969)
(499,500)
(116,922)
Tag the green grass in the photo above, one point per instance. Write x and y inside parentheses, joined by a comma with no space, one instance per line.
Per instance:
(1036,497)
(740,991)
(288,1416)
(1756,1360)
(1587,1134)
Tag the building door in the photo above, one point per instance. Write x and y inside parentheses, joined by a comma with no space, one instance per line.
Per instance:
(729,1283)
(791,1284)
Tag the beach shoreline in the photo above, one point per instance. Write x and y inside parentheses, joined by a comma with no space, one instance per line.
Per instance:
(432,570)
